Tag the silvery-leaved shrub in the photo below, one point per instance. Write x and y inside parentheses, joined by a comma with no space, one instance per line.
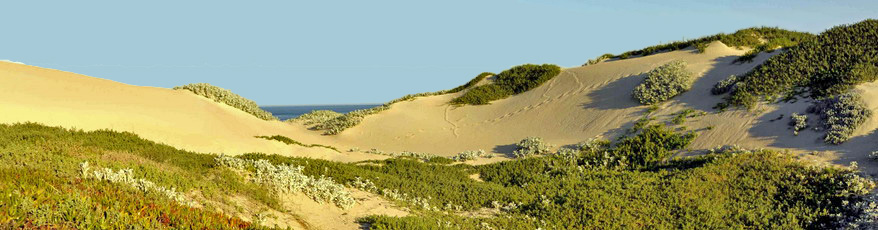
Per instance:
(725,86)
(126,177)
(338,124)
(290,179)
(316,117)
(799,122)
(470,155)
(227,97)
(531,146)
(663,83)
(841,115)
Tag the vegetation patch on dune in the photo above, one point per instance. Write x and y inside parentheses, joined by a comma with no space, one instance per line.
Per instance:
(316,117)
(830,64)
(598,185)
(227,97)
(513,81)
(663,83)
(760,38)
(287,140)
(841,115)
(43,183)
(471,83)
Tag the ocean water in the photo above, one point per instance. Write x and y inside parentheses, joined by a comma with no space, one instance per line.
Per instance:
(284,112)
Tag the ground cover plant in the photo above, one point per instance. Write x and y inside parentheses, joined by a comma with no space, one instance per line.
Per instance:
(623,184)
(227,97)
(824,66)
(663,83)
(513,81)
(128,182)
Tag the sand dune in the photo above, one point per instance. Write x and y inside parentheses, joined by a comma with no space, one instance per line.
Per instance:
(580,103)
(174,117)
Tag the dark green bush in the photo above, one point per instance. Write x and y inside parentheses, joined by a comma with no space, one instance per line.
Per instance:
(482,95)
(471,83)
(513,81)
(829,64)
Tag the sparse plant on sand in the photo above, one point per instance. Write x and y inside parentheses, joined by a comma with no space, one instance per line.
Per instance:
(227,97)
(663,83)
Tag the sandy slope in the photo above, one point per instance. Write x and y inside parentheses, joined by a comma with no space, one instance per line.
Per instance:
(174,117)
(595,100)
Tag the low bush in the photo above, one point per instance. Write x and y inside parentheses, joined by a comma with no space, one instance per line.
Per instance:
(841,115)
(316,117)
(829,64)
(284,178)
(471,83)
(482,95)
(725,85)
(663,83)
(227,97)
(798,122)
(471,155)
(513,81)
(599,59)
(531,146)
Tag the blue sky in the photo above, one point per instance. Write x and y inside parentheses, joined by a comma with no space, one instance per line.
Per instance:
(339,52)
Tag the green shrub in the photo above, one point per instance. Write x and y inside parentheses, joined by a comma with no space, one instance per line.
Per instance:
(841,115)
(471,83)
(663,83)
(482,95)
(798,122)
(724,86)
(824,66)
(227,97)
(513,81)
(651,144)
